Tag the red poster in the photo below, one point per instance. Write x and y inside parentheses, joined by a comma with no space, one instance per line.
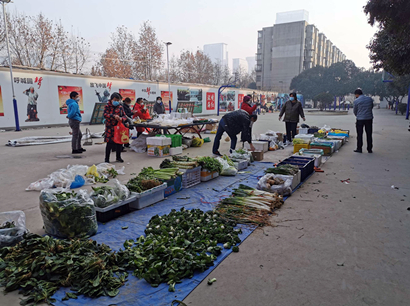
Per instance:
(166,99)
(128,93)
(240,100)
(64,95)
(210,101)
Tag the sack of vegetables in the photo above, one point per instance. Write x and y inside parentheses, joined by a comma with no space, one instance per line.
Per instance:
(282,184)
(68,214)
(12,227)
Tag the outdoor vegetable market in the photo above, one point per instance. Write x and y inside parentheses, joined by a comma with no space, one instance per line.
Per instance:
(159,234)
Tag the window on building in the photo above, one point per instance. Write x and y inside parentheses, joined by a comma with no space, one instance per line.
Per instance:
(270,66)
(258,78)
(259,34)
(259,57)
(259,46)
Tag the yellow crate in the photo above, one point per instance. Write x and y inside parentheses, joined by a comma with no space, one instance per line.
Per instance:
(297,147)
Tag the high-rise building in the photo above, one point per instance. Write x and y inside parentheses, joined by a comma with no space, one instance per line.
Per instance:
(290,46)
(218,53)
(239,62)
(251,63)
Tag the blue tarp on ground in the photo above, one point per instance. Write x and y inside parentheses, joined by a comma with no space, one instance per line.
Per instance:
(203,196)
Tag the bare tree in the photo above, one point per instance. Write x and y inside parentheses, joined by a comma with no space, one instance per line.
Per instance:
(41,40)
(148,52)
(111,65)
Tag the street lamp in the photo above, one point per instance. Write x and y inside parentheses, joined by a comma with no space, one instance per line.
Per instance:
(169,82)
(16,114)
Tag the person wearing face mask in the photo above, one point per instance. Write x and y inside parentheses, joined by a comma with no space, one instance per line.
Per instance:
(113,113)
(292,110)
(159,107)
(74,120)
(142,113)
(246,105)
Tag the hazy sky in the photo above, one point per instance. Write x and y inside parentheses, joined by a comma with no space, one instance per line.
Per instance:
(191,24)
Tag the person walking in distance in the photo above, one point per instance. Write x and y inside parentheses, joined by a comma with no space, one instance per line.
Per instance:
(363,110)
(74,120)
(113,113)
(292,110)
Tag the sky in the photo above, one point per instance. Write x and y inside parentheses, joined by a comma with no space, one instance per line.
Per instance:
(191,24)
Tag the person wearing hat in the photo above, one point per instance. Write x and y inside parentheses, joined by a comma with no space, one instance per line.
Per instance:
(363,110)
(246,105)
(292,110)
(159,107)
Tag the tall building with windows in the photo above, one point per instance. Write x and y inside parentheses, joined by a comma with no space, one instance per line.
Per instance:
(218,53)
(289,47)
(239,62)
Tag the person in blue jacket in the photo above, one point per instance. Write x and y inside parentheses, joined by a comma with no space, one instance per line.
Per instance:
(74,120)
(363,110)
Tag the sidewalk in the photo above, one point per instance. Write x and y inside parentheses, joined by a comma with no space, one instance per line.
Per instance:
(333,243)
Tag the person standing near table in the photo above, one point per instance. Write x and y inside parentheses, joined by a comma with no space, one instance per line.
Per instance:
(113,114)
(292,110)
(363,110)
(142,113)
(233,123)
(74,120)
(246,105)
(159,107)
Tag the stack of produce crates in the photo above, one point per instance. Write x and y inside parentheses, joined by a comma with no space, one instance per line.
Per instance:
(176,140)
(191,177)
(306,165)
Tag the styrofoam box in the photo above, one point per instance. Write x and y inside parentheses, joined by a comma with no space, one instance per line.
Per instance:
(260,146)
(303,130)
(159,141)
(296,178)
(240,165)
(175,151)
(149,197)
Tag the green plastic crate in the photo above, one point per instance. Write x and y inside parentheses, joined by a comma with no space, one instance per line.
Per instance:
(176,140)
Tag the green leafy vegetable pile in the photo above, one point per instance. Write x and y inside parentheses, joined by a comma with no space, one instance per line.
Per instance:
(180,162)
(8,224)
(104,196)
(160,174)
(283,169)
(139,185)
(210,164)
(39,266)
(178,244)
(68,214)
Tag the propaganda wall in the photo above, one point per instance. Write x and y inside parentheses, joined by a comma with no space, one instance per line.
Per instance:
(41,95)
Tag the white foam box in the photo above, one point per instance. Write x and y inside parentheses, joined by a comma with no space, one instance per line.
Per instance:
(260,146)
(158,151)
(149,197)
(175,151)
(307,138)
(159,141)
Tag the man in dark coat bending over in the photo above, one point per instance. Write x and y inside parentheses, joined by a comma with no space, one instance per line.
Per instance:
(233,123)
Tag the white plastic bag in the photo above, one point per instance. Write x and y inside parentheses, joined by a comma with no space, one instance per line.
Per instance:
(139,145)
(121,190)
(227,170)
(11,236)
(284,189)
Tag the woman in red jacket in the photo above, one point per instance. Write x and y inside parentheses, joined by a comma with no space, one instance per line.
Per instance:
(113,113)
(142,113)
(246,105)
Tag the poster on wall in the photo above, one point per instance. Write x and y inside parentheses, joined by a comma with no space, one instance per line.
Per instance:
(1,104)
(230,98)
(165,99)
(31,88)
(64,95)
(223,104)
(128,93)
(210,101)
(240,100)
(102,91)
(193,95)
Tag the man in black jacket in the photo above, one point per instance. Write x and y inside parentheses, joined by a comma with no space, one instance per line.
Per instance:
(233,123)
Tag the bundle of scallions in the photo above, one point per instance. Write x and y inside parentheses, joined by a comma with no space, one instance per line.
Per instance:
(249,206)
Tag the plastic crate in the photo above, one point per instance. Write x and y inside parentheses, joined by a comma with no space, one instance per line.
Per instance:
(176,140)
(327,151)
(149,197)
(115,210)
(173,186)
(306,165)
(298,146)
(191,177)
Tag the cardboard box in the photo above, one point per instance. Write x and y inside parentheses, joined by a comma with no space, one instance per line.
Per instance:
(211,126)
(158,151)
(257,156)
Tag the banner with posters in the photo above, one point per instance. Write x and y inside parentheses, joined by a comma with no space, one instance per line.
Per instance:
(210,101)
(64,95)
(240,100)
(165,99)
(191,95)
(1,104)
(128,93)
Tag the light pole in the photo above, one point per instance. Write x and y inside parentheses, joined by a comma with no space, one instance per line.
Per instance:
(16,113)
(169,82)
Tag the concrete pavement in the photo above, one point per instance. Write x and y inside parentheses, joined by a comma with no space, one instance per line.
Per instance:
(332,244)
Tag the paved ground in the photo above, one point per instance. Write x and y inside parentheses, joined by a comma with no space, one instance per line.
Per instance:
(333,244)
